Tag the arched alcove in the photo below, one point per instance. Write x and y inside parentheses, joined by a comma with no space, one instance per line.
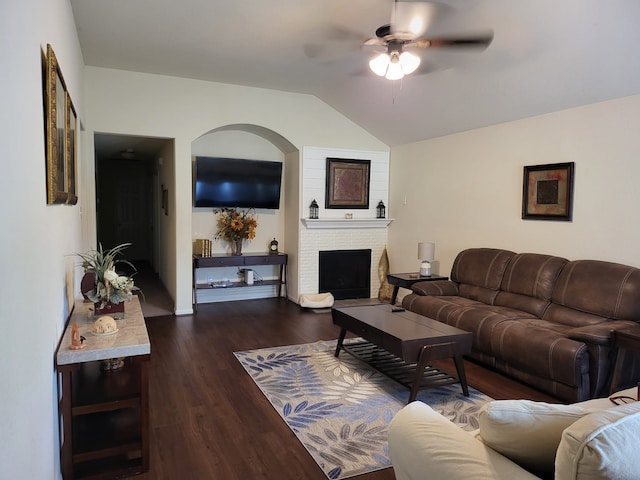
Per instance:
(256,143)
(284,145)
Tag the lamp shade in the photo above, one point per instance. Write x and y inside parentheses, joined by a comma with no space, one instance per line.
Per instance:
(426,251)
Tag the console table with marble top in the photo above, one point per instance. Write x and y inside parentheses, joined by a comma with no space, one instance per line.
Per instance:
(104,415)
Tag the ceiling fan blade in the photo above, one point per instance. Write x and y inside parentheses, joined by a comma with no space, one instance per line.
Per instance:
(336,41)
(329,51)
(480,41)
(374,42)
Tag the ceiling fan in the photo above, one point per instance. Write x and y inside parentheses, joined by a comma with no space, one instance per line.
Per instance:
(409,22)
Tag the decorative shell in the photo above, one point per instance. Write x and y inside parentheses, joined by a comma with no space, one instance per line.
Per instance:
(105,324)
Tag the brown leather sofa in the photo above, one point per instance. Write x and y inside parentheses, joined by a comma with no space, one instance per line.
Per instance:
(544,320)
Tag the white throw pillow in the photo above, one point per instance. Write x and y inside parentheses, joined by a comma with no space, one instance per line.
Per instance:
(602,445)
(528,432)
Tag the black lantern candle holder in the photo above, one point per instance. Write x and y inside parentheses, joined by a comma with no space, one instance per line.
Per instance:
(313,209)
(381,210)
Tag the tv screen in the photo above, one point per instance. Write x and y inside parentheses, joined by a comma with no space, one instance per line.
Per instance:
(234,182)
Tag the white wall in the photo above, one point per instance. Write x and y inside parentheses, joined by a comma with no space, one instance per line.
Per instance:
(166,224)
(465,190)
(35,238)
(159,106)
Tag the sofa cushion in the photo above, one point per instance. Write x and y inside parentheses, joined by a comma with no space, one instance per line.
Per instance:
(479,271)
(436,307)
(532,274)
(602,445)
(540,351)
(482,321)
(528,282)
(601,288)
(528,432)
(568,316)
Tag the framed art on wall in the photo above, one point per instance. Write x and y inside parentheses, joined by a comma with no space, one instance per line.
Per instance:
(71,124)
(61,128)
(347,183)
(547,192)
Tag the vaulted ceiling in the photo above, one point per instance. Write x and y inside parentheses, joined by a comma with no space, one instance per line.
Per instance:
(546,55)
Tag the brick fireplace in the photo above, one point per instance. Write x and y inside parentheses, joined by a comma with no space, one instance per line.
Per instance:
(338,229)
(315,240)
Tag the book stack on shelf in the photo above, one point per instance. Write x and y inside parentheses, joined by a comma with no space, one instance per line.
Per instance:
(203,247)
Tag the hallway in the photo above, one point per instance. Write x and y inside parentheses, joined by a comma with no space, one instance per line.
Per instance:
(156,301)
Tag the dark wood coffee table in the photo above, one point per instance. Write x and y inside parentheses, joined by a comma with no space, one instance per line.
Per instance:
(400,344)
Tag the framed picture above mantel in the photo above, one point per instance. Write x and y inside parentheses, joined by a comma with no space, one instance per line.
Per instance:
(547,192)
(347,183)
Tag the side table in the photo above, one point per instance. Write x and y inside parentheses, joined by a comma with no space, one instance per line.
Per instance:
(405,280)
(627,342)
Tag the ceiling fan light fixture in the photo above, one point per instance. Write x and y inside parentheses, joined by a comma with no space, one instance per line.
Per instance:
(394,72)
(409,62)
(394,65)
(380,64)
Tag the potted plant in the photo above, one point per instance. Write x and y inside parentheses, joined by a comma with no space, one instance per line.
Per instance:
(101,284)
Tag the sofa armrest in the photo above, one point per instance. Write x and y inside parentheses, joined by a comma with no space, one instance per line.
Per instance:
(601,333)
(437,287)
(424,444)
(603,444)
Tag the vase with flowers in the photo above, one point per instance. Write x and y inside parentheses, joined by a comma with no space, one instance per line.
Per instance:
(235,226)
(102,285)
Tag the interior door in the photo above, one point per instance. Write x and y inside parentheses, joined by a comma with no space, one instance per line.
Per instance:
(125,213)
(133,217)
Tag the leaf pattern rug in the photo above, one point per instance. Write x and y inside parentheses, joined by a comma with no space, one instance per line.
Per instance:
(340,408)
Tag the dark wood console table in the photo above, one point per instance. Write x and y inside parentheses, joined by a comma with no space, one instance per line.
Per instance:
(104,416)
(244,260)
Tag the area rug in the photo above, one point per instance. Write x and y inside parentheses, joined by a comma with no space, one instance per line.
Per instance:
(340,408)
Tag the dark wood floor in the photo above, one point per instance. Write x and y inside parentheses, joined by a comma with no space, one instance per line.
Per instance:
(208,418)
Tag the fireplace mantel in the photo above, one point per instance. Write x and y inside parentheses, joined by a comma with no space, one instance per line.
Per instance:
(327,223)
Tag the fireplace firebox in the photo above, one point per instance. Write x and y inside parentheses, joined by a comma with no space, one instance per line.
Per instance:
(345,274)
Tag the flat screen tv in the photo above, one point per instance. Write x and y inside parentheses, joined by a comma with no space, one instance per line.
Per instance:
(233,182)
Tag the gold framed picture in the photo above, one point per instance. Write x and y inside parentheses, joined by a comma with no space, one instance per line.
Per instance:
(70,155)
(61,135)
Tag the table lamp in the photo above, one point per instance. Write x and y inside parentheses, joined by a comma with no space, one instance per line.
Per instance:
(426,251)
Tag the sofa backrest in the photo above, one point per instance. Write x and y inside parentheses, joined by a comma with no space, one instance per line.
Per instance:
(588,289)
(528,282)
(479,271)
